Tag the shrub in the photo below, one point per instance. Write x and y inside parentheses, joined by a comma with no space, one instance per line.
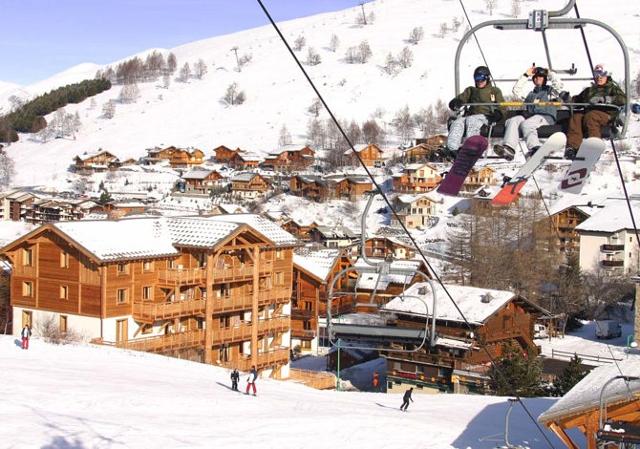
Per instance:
(50,331)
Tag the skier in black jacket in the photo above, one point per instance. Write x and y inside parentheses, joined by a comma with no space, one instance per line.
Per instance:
(235,378)
(405,399)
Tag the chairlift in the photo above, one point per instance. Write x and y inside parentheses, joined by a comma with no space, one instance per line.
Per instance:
(356,335)
(541,21)
(507,443)
(616,434)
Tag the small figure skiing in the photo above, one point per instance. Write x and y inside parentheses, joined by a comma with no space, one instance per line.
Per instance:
(405,399)
(251,380)
(25,334)
(235,378)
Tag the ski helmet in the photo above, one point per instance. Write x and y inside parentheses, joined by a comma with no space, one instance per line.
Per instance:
(541,71)
(481,73)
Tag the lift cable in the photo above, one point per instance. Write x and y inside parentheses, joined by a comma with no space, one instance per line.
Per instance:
(392,209)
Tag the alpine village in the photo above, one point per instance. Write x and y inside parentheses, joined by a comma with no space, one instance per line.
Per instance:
(378,225)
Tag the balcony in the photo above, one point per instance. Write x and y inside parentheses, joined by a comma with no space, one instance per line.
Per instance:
(271,358)
(233,273)
(162,343)
(612,263)
(234,334)
(183,276)
(148,312)
(276,295)
(303,334)
(301,314)
(611,248)
(232,303)
(274,324)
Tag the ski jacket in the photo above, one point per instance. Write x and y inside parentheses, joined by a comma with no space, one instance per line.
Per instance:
(407,395)
(472,94)
(539,93)
(610,93)
(26,332)
(253,375)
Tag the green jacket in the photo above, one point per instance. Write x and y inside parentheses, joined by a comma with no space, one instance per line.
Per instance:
(610,93)
(488,94)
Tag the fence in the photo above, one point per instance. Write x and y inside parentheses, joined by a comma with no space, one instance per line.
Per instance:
(557,354)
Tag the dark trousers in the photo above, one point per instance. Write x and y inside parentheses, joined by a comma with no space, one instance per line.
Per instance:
(234,385)
(593,121)
(405,404)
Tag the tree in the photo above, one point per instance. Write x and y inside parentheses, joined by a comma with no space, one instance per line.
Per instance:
(455,24)
(185,73)
(405,58)
(316,134)
(403,124)
(233,95)
(129,93)
(92,103)
(313,58)
(16,103)
(76,124)
(425,120)
(105,197)
(351,55)
(299,43)
(315,107)
(390,65)
(573,373)
(364,52)
(444,28)
(334,43)
(166,80)
(515,8)
(491,5)
(172,63)
(7,170)
(416,35)
(441,111)
(109,110)
(285,136)
(200,69)
(516,374)
(354,133)
(372,133)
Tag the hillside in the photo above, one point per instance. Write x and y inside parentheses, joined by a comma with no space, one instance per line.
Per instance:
(191,114)
(85,397)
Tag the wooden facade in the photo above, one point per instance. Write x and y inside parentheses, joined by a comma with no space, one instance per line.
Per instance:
(177,157)
(95,162)
(370,154)
(417,210)
(417,178)
(301,231)
(225,155)
(383,247)
(249,185)
(424,150)
(290,159)
(478,177)
(201,181)
(565,222)
(223,304)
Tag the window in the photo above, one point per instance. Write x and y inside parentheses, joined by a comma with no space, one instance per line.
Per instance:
(122,296)
(147,265)
(279,254)
(63,324)
(27,289)
(147,328)
(123,268)
(64,259)
(147,292)
(279,278)
(27,257)
(64,292)
(306,325)
(225,290)
(171,264)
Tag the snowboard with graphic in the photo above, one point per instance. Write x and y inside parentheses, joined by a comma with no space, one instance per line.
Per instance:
(467,157)
(511,189)
(582,166)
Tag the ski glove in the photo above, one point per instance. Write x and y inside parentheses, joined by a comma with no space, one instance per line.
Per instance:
(565,96)
(598,100)
(495,116)
(455,104)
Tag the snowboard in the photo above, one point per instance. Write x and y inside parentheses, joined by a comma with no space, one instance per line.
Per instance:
(511,189)
(467,157)
(582,165)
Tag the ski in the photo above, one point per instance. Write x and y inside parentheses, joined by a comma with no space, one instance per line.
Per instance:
(467,157)
(582,165)
(511,189)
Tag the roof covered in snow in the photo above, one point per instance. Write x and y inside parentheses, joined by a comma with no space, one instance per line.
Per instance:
(431,196)
(585,395)
(469,300)
(198,232)
(263,225)
(244,177)
(584,203)
(318,263)
(613,217)
(197,174)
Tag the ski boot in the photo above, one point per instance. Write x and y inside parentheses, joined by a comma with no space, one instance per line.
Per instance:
(504,151)
(570,153)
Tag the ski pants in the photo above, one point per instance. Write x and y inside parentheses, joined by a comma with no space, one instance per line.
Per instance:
(527,127)
(472,123)
(25,343)
(405,404)
(249,385)
(234,385)
(594,121)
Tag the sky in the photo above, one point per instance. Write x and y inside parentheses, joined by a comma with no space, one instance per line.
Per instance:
(44,37)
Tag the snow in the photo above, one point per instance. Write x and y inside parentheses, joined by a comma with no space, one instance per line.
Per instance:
(318,263)
(13,230)
(612,217)
(99,397)
(264,226)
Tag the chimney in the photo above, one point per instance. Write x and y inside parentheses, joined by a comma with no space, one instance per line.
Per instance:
(486,298)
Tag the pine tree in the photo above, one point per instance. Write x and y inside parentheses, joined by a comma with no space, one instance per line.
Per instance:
(105,197)
(172,63)
(515,373)
(572,374)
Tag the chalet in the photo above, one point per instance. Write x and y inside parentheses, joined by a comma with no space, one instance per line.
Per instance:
(481,200)
(225,155)
(479,177)
(383,247)
(607,239)
(224,208)
(425,149)
(249,185)
(310,187)
(370,154)
(351,187)
(299,229)
(313,271)
(212,289)
(98,161)
(418,210)
(290,157)
(458,362)
(245,161)
(176,157)
(578,412)
(417,178)
(567,213)
(332,236)
(201,181)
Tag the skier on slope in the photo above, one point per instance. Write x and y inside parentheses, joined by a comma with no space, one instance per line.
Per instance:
(235,378)
(603,91)
(476,116)
(25,334)
(405,399)
(251,380)
(534,116)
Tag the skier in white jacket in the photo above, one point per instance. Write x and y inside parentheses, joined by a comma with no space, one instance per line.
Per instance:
(534,116)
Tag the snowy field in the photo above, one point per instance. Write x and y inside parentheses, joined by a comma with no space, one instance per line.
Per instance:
(82,397)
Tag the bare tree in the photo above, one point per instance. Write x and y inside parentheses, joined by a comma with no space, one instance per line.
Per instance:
(351,56)
(425,120)
(92,103)
(315,107)
(403,124)
(372,133)
(233,95)
(172,63)
(316,134)
(364,51)
(405,58)
(442,112)
(416,35)
(16,103)
(334,43)
(7,170)
(354,133)
(313,57)
(444,29)
(76,124)
(455,24)
(185,73)
(285,136)
(129,93)
(109,110)
(491,5)
(390,65)
(299,43)
(166,80)
(200,69)
(245,59)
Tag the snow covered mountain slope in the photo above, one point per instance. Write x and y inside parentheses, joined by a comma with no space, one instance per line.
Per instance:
(191,114)
(85,397)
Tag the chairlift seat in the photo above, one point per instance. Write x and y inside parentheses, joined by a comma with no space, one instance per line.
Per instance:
(620,432)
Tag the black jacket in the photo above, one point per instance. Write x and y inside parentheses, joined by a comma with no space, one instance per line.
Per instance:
(407,395)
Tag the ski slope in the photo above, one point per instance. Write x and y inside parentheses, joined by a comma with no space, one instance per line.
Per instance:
(81,397)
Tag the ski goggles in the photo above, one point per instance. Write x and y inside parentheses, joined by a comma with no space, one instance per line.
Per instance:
(478,78)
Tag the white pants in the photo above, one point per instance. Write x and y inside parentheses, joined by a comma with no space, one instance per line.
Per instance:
(472,123)
(527,127)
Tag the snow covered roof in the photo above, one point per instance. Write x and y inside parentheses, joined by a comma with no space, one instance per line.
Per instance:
(197,174)
(245,177)
(418,166)
(318,263)
(336,232)
(289,147)
(91,154)
(587,204)
(368,281)
(198,232)
(264,226)
(613,217)
(585,395)
(231,208)
(431,196)
(468,299)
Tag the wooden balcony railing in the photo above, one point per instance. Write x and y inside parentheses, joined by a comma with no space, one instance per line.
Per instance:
(233,272)
(161,343)
(274,324)
(183,276)
(320,380)
(234,334)
(303,334)
(149,312)
(232,303)
(301,314)
(612,263)
(271,358)
(611,248)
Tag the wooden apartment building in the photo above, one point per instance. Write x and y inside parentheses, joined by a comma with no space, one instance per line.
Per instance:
(417,178)
(249,185)
(212,289)
(290,157)
(370,154)
(97,161)
(177,157)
